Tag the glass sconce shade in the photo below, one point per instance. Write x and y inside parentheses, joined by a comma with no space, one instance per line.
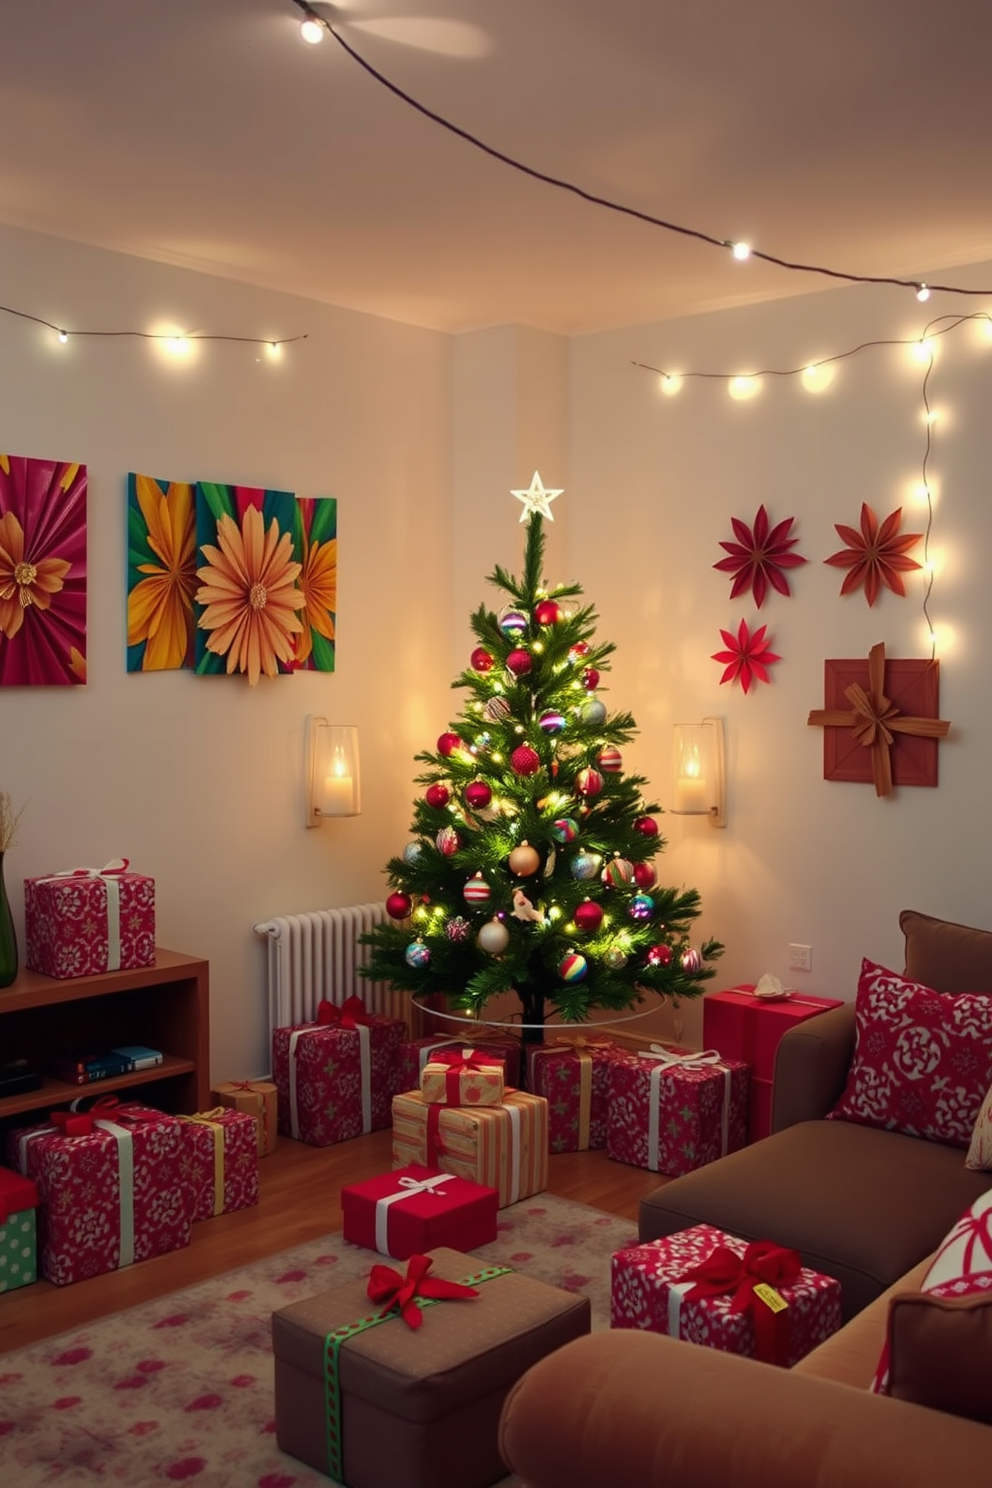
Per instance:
(331,771)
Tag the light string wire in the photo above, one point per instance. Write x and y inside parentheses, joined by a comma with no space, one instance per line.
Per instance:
(65,334)
(601,201)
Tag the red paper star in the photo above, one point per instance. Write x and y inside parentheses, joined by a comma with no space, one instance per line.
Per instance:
(875,556)
(759,556)
(747,656)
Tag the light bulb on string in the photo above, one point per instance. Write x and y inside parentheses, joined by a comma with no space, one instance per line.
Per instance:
(741,251)
(817,376)
(63,337)
(922,293)
(742,388)
(670,384)
(311,31)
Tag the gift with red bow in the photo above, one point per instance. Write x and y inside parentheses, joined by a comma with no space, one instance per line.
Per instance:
(753,1298)
(503,1147)
(461,1077)
(335,1076)
(86,921)
(415,1054)
(417,1208)
(110,1185)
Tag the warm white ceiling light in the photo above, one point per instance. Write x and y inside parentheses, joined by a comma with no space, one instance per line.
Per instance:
(311,30)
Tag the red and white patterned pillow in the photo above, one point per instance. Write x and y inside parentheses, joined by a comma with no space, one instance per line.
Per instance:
(961,1267)
(922,1059)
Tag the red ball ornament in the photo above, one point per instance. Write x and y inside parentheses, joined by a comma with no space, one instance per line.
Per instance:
(647,826)
(590,679)
(437,795)
(525,760)
(577,651)
(589,782)
(645,876)
(588,916)
(519,663)
(610,760)
(477,795)
(398,906)
(448,743)
(548,612)
(480,660)
(660,955)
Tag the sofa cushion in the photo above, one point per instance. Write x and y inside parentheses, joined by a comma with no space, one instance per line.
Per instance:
(944,955)
(922,1059)
(979,1157)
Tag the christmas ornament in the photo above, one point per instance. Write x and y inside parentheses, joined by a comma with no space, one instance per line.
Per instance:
(447,841)
(458,929)
(497,710)
(524,910)
(551,721)
(659,955)
(576,652)
(437,795)
(398,906)
(590,679)
(412,852)
(480,660)
(525,760)
(493,938)
(593,712)
(573,967)
(589,782)
(519,663)
(747,656)
(417,955)
(537,499)
(564,829)
(759,556)
(512,623)
(524,860)
(583,866)
(610,760)
(588,916)
(641,907)
(645,876)
(548,612)
(615,958)
(647,826)
(477,890)
(875,556)
(618,872)
(448,743)
(477,795)
(691,960)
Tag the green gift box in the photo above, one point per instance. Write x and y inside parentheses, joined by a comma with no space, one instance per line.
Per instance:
(18,1237)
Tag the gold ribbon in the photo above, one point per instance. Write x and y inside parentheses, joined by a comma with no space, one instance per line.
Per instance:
(581,1046)
(209,1118)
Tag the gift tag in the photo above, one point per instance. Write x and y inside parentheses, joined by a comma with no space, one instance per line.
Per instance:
(770,1297)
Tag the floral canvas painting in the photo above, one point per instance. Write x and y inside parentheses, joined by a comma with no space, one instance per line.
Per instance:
(161,574)
(248,599)
(42,572)
(316,550)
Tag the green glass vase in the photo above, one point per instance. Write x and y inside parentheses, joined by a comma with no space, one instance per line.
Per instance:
(8,937)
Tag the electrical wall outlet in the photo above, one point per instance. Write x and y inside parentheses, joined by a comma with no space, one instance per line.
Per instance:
(800,958)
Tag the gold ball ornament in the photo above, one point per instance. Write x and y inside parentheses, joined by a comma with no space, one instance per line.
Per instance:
(524,860)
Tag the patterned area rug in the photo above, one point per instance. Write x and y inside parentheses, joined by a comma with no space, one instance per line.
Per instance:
(180,1390)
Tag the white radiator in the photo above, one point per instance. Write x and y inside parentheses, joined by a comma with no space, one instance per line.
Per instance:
(316,955)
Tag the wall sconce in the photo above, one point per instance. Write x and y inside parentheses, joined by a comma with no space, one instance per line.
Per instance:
(699,783)
(330,771)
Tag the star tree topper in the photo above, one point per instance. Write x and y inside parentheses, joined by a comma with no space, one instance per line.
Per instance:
(537,499)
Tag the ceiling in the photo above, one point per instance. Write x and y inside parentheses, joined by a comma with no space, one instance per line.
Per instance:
(855,135)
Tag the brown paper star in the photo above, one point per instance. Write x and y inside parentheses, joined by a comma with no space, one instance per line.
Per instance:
(875,720)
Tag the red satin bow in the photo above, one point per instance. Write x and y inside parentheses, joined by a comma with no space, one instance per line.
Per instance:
(762,1262)
(462,1061)
(72,1123)
(389,1287)
(350,1014)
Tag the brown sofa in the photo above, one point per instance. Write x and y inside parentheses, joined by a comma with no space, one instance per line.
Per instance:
(637,1410)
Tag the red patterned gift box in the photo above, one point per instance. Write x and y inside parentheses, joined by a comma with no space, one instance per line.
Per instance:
(110,1186)
(414,1054)
(86,921)
(573,1074)
(709,1287)
(335,1078)
(219,1162)
(412,1210)
(672,1110)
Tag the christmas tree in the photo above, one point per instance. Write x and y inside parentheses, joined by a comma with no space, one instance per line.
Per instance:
(530,868)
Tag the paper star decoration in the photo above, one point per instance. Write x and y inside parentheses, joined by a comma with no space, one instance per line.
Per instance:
(537,499)
(747,657)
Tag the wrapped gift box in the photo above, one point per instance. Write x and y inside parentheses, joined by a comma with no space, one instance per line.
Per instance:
(405,1213)
(649,1289)
(413,1055)
(461,1077)
(574,1078)
(110,1188)
(85,922)
(219,1162)
(257,1098)
(503,1147)
(672,1110)
(335,1083)
(18,1232)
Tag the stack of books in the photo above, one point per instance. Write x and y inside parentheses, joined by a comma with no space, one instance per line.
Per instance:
(81,1069)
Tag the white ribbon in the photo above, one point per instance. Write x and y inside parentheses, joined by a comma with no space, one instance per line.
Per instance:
(26,1138)
(294,1113)
(365,1060)
(515,1145)
(694,1059)
(676,1291)
(408,1187)
(125,1177)
(110,873)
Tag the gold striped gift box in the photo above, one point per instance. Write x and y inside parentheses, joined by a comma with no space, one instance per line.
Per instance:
(503,1147)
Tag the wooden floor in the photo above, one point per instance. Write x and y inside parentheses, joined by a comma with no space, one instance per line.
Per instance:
(299,1200)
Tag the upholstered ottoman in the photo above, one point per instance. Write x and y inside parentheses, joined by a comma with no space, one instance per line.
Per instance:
(413,1408)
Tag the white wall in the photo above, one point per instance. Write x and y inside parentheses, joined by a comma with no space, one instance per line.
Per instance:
(198,780)
(654,481)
